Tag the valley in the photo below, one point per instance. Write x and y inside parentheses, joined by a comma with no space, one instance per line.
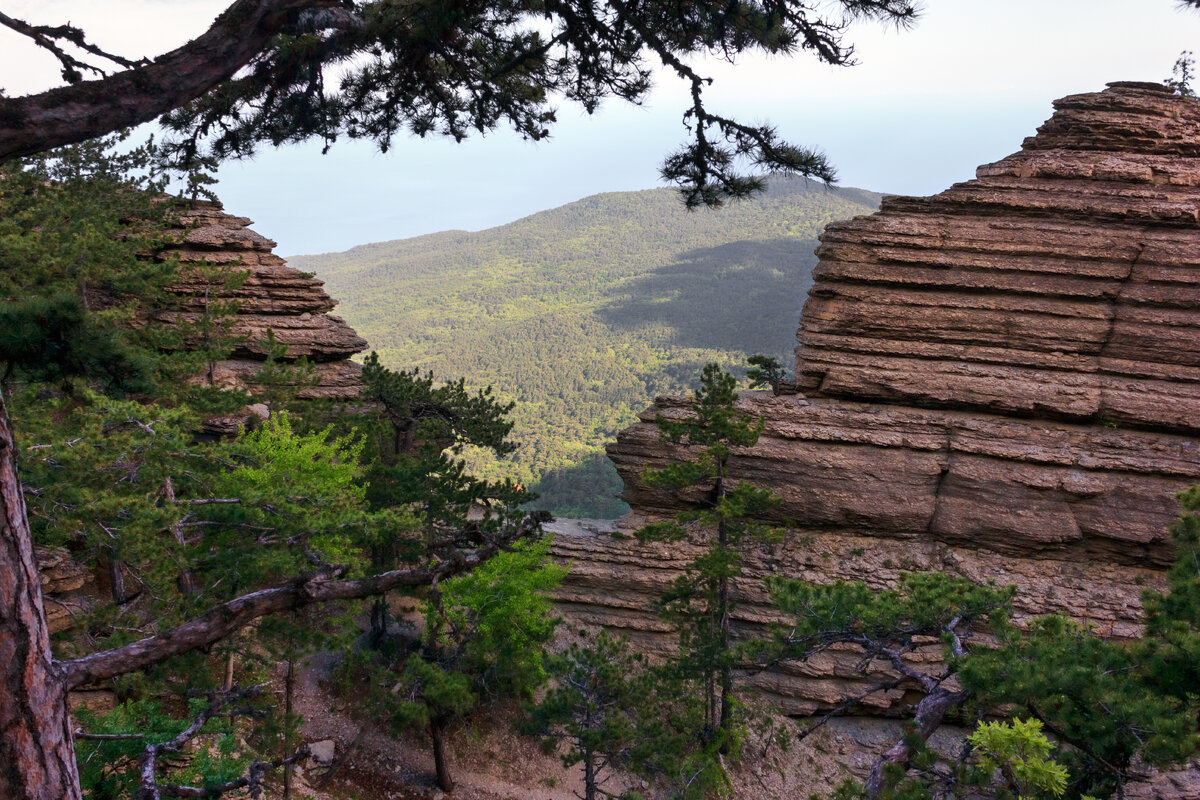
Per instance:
(583,314)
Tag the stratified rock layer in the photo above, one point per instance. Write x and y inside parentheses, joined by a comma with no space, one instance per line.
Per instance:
(269,296)
(1001,381)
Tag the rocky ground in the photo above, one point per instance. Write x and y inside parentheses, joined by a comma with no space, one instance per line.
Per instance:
(490,761)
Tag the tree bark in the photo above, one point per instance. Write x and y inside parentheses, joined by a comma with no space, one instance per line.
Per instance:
(37,123)
(289,687)
(589,778)
(37,752)
(930,713)
(437,732)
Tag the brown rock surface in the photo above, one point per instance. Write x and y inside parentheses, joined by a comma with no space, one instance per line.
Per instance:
(66,586)
(1001,381)
(272,296)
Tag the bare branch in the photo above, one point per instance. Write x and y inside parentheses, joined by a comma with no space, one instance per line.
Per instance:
(48,37)
(218,705)
(229,617)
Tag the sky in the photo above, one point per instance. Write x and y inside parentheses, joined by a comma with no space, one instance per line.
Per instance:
(921,109)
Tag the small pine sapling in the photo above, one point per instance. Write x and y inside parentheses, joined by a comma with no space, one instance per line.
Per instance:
(700,602)
(766,371)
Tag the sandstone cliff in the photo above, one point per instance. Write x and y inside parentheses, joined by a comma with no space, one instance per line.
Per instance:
(272,296)
(269,296)
(1000,381)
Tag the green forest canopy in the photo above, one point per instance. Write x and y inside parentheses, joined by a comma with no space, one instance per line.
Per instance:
(583,313)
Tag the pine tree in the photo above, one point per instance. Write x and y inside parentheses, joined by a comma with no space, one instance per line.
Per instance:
(484,637)
(595,707)
(197,538)
(700,602)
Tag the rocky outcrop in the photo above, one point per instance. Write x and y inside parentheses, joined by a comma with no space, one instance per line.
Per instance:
(228,272)
(1001,381)
(223,262)
(67,586)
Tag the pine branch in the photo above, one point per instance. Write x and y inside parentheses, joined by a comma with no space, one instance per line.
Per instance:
(230,617)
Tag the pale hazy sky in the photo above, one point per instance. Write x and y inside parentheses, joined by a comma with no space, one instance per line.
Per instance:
(922,109)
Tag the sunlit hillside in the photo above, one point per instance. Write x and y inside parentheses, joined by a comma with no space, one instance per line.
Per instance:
(583,313)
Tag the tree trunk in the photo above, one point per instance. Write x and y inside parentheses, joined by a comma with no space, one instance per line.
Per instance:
(437,732)
(116,579)
(379,621)
(289,687)
(726,677)
(186,581)
(930,712)
(37,752)
(589,778)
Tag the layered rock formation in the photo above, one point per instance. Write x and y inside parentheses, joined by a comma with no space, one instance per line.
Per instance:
(1000,381)
(269,296)
(223,262)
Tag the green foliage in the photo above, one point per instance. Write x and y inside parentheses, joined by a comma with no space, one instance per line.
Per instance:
(458,71)
(414,441)
(280,380)
(173,522)
(494,622)
(118,738)
(485,634)
(583,314)
(300,492)
(1111,706)
(699,602)
(614,712)
(765,371)
(1109,703)
(1182,73)
(70,274)
(921,605)
(593,707)
(1021,753)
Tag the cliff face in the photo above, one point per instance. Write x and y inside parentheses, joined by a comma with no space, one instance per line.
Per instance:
(1001,381)
(269,295)
(272,296)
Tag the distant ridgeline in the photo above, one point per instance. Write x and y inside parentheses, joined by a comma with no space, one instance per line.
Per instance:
(582,314)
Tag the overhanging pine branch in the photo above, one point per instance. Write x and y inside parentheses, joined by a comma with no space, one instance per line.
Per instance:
(84,110)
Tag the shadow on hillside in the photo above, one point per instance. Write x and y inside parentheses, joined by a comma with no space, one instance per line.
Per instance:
(738,296)
(589,489)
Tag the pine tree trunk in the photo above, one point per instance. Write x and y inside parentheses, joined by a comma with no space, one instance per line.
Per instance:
(37,752)
(379,621)
(726,678)
(289,688)
(437,732)
(116,579)
(589,778)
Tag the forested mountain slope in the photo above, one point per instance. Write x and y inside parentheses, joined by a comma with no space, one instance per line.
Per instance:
(581,314)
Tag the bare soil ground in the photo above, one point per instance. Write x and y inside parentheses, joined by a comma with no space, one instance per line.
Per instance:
(491,761)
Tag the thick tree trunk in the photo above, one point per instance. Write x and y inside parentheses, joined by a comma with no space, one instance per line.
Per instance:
(84,110)
(437,732)
(589,778)
(37,753)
